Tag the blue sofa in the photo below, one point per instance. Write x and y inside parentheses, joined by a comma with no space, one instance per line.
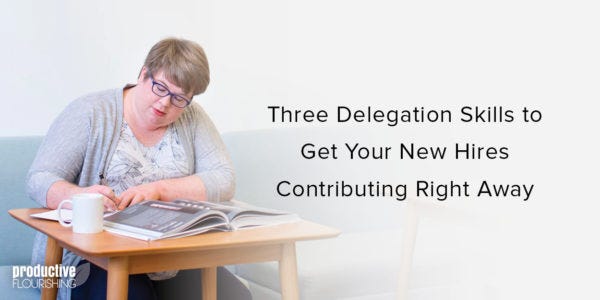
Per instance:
(260,158)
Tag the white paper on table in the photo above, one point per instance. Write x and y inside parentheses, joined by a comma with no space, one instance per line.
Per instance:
(67,215)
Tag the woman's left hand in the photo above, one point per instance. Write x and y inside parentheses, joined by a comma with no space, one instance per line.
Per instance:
(139,193)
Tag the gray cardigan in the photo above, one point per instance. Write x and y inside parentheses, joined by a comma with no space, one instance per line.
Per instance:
(82,139)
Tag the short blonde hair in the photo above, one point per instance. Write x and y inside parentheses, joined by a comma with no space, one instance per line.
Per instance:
(183,63)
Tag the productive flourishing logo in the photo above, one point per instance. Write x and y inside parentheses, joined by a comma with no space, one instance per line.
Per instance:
(56,276)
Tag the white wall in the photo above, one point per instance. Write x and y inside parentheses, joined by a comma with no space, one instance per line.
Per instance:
(55,51)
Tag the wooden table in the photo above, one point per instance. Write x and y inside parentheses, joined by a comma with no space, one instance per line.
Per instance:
(121,256)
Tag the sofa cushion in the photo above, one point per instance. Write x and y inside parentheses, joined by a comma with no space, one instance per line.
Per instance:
(16,155)
(350,265)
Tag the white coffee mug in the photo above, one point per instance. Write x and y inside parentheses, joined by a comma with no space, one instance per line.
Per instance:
(88,213)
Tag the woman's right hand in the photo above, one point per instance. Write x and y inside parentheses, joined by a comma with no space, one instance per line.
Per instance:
(62,190)
(111,202)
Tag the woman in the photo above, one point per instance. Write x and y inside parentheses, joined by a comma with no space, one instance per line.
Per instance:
(143,141)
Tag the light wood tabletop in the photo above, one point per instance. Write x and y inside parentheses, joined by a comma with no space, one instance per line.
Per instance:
(121,255)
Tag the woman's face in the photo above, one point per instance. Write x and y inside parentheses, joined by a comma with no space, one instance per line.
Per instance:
(156,111)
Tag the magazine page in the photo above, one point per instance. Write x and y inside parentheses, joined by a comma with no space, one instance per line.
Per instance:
(157,218)
(233,208)
(241,214)
(209,224)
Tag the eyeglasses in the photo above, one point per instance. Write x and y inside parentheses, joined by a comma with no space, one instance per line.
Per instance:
(161,90)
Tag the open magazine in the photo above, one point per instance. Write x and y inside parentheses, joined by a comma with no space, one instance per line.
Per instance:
(153,220)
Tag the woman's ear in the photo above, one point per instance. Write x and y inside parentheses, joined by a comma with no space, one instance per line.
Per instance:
(142,74)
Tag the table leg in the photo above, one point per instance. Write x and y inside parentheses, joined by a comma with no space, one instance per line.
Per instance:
(287,272)
(209,283)
(118,278)
(53,257)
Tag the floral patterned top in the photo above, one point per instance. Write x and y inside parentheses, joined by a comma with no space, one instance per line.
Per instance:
(133,164)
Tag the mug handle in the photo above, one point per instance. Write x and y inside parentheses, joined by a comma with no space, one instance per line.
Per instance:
(60,219)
